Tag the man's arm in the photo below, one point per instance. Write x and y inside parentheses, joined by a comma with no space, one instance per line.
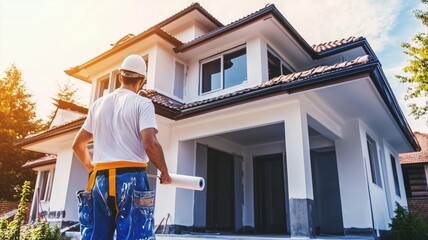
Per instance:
(155,153)
(81,150)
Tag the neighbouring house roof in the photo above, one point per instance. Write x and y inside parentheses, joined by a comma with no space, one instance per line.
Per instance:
(71,107)
(46,160)
(417,157)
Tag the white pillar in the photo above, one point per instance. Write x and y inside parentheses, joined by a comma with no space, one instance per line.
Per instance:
(353,179)
(299,172)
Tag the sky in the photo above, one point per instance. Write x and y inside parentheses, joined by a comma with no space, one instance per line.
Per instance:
(45,37)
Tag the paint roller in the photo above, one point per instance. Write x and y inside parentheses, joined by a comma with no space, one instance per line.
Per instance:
(185,181)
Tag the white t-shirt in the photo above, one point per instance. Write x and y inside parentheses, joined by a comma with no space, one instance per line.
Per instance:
(116,120)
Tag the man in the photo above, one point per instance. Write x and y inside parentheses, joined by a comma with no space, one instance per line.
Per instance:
(123,129)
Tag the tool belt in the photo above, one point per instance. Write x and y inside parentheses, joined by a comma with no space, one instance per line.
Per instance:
(113,168)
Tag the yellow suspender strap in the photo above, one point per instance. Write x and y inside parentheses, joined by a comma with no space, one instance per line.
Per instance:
(111,166)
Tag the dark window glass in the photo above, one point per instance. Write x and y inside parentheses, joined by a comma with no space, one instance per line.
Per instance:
(211,75)
(285,70)
(235,68)
(394,173)
(274,66)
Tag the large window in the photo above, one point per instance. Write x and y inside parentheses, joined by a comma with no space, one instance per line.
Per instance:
(374,162)
(224,71)
(276,66)
(395,175)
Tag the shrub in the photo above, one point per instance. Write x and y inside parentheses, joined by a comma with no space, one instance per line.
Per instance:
(15,230)
(407,226)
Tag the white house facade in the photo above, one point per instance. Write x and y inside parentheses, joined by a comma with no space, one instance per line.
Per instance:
(291,139)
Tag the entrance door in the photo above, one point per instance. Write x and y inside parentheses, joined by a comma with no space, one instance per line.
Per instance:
(328,208)
(269,194)
(220,192)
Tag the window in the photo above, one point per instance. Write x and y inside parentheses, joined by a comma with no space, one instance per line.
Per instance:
(179,80)
(374,161)
(395,175)
(276,67)
(45,185)
(224,71)
(102,87)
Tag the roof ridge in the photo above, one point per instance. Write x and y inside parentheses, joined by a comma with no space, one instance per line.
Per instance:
(193,6)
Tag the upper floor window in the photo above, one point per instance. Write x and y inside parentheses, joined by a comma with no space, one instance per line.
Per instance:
(276,66)
(110,82)
(374,161)
(225,70)
(102,86)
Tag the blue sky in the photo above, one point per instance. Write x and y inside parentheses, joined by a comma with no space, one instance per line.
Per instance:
(45,37)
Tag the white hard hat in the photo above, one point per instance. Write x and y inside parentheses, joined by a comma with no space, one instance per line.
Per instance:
(134,64)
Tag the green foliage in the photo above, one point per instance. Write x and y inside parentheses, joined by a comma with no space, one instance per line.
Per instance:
(17,120)
(406,226)
(42,231)
(416,72)
(15,230)
(66,92)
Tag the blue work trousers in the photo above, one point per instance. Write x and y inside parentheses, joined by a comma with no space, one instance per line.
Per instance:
(130,213)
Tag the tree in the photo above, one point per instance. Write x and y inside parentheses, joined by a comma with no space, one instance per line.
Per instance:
(17,120)
(417,69)
(66,92)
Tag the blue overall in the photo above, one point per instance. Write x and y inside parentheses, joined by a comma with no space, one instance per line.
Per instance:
(130,213)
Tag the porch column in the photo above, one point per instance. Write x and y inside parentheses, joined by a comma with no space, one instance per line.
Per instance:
(299,173)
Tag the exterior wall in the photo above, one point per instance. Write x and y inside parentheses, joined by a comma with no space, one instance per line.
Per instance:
(189,32)
(164,65)
(62,178)
(79,176)
(63,116)
(419,207)
(354,194)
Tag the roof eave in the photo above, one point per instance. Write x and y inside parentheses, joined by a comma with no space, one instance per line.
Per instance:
(74,126)
(74,72)
(271,9)
(362,42)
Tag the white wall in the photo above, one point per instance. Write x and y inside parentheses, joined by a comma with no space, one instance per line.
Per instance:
(62,178)
(79,179)
(353,177)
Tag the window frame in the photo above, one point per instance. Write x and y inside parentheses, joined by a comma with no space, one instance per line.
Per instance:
(374,160)
(282,63)
(395,175)
(100,80)
(221,57)
(175,78)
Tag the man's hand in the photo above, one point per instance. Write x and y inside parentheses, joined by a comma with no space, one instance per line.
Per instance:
(165,178)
